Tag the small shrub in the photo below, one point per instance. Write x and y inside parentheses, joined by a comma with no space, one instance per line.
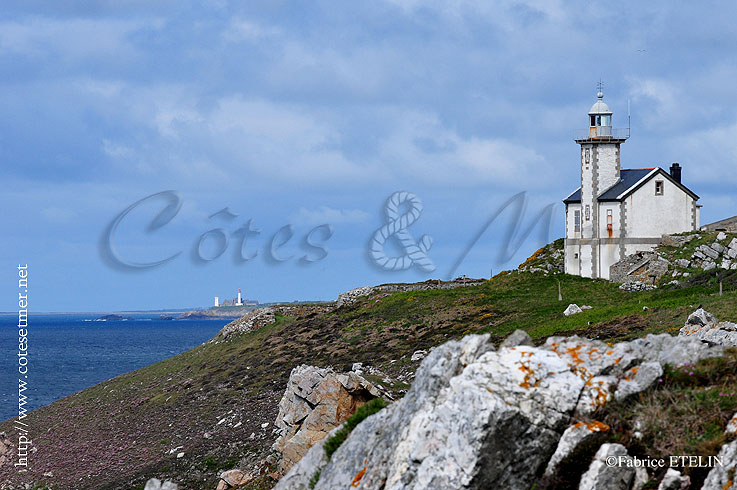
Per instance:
(315,478)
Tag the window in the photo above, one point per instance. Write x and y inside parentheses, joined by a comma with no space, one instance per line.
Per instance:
(609,217)
(593,120)
(577,220)
(658,187)
(588,212)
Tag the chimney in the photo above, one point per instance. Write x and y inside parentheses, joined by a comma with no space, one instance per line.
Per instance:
(675,172)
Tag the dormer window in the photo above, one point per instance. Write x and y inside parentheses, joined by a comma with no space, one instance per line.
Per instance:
(658,187)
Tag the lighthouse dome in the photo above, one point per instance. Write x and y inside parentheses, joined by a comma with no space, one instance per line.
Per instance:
(600,106)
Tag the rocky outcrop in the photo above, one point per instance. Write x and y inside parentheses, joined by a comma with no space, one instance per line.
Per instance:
(548,260)
(705,327)
(260,317)
(720,254)
(316,401)
(350,297)
(479,418)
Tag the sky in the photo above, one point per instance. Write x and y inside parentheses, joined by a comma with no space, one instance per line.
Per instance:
(219,139)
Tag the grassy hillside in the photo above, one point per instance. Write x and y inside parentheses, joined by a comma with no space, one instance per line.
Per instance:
(210,402)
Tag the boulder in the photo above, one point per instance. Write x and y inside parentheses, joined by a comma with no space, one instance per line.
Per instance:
(718,248)
(638,379)
(683,263)
(316,401)
(674,480)
(573,437)
(709,251)
(721,236)
(572,310)
(233,479)
(704,326)
(418,355)
(602,475)
(518,337)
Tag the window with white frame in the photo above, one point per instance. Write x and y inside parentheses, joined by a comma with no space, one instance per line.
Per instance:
(577,221)
(658,187)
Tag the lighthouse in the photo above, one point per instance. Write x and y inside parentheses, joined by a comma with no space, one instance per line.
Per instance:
(617,212)
(240,300)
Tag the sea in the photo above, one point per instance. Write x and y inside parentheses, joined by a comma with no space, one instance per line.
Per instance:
(68,352)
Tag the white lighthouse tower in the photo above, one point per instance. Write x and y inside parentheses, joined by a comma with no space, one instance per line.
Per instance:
(240,300)
(599,171)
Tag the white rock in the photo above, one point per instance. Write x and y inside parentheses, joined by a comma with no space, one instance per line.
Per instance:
(180,455)
(721,236)
(731,428)
(418,355)
(572,310)
(601,475)
(572,438)
(264,425)
(704,326)
(518,337)
(673,480)
(720,476)
(638,379)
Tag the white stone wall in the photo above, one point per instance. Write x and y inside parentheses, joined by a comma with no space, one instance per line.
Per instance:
(570,220)
(608,158)
(650,215)
(604,207)
(571,260)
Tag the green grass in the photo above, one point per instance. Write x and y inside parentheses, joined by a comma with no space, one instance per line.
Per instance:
(315,478)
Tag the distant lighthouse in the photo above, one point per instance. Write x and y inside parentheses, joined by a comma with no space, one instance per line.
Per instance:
(217,301)
(240,301)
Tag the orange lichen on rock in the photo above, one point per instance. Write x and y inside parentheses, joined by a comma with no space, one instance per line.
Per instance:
(359,476)
(594,426)
(529,380)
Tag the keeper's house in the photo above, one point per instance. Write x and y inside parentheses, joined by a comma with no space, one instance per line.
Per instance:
(617,212)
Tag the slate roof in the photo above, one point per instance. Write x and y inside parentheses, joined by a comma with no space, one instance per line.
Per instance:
(629,181)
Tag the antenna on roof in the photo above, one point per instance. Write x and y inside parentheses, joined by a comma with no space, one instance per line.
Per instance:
(629,118)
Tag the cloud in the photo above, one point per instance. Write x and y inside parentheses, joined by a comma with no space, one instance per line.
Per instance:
(240,29)
(328,215)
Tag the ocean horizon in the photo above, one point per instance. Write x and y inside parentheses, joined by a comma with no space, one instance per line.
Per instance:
(68,352)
